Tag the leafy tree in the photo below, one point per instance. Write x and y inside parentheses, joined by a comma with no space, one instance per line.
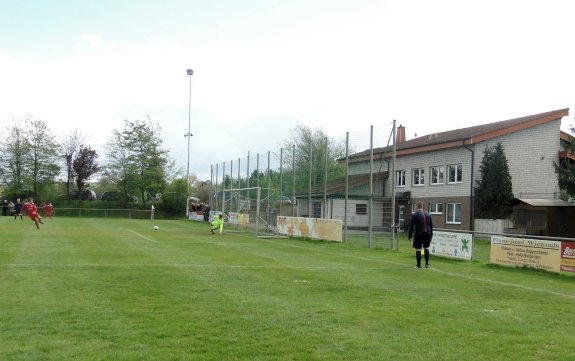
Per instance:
(84,167)
(70,145)
(29,157)
(566,169)
(118,170)
(137,159)
(494,191)
(43,153)
(13,155)
(310,155)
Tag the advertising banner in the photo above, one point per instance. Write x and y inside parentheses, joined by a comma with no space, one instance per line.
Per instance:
(452,244)
(525,252)
(568,256)
(196,216)
(315,228)
(238,218)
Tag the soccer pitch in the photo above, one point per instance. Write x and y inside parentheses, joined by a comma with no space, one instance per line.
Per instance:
(112,289)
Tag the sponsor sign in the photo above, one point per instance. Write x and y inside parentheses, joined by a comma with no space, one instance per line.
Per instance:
(315,228)
(196,216)
(525,252)
(238,218)
(452,244)
(568,256)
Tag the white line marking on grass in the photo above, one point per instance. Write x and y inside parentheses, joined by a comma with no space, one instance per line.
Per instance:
(479,279)
(502,283)
(140,235)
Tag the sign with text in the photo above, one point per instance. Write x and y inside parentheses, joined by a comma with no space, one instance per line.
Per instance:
(315,228)
(568,256)
(238,218)
(525,252)
(452,244)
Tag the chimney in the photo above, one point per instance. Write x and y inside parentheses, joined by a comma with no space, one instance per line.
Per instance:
(400,136)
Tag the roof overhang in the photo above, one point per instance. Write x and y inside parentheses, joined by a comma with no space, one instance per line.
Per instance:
(540,202)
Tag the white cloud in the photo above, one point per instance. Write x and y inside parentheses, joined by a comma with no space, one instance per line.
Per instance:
(90,41)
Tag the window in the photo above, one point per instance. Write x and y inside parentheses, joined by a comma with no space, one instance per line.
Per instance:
(418,177)
(453,213)
(454,173)
(435,208)
(437,175)
(400,178)
(361,209)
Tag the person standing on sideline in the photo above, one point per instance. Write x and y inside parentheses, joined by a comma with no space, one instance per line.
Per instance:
(18,209)
(421,228)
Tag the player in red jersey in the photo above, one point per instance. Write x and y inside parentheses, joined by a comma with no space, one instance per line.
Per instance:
(49,210)
(32,211)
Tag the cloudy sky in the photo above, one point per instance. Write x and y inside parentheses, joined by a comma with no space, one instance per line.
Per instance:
(262,66)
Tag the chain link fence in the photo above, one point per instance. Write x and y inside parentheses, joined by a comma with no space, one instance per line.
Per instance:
(315,179)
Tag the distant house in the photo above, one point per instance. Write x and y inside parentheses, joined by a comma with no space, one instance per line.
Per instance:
(441,169)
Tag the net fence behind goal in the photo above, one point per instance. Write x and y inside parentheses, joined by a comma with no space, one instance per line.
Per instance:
(248,212)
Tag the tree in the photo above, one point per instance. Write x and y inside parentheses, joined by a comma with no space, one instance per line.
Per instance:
(29,160)
(70,145)
(310,156)
(494,191)
(13,153)
(84,167)
(137,159)
(565,170)
(43,162)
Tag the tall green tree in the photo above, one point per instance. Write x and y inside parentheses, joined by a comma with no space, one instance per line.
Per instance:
(311,148)
(29,157)
(44,155)
(138,160)
(13,155)
(494,191)
(85,165)
(70,144)
(566,169)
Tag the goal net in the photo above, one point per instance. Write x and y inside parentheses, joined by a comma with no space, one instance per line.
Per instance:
(247,211)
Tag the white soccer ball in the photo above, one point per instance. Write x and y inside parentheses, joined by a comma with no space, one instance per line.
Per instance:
(156,228)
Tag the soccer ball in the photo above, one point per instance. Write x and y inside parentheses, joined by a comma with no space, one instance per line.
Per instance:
(156,228)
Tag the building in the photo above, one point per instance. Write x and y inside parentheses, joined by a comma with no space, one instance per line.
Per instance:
(442,169)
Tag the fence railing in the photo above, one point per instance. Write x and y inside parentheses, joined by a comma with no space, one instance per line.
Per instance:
(104,213)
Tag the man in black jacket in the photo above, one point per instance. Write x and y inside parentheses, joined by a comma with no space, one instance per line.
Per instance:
(422,224)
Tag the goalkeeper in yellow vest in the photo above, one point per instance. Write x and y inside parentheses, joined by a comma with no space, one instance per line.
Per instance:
(217,224)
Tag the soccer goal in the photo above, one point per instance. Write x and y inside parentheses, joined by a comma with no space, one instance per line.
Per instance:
(247,212)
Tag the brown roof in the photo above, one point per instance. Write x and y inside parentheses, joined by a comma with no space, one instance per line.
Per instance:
(465,136)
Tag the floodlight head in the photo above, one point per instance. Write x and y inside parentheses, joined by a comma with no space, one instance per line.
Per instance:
(189,71)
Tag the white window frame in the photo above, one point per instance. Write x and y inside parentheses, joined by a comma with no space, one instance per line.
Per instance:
(420,173)
(458,169)
(435,208)
(400,178)
(440,171)
(451,212)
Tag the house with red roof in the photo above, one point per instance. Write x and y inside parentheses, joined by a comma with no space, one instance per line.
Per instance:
(441,169)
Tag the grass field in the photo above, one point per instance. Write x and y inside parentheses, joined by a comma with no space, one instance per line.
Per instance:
(101,289)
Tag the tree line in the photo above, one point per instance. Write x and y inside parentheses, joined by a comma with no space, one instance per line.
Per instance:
(34,162)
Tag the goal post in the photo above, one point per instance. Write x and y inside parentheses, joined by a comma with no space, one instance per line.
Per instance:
(246,211)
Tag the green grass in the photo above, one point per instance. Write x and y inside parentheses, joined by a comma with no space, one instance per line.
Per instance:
(111,289)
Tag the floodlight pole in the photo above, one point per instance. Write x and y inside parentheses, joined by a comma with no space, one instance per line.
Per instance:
(188,135)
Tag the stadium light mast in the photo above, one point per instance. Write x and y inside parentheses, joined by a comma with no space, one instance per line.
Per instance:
(188,135)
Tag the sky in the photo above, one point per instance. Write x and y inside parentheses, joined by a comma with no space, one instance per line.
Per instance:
(263,66)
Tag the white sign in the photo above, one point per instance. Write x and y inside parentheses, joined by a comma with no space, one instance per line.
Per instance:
(452,244)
